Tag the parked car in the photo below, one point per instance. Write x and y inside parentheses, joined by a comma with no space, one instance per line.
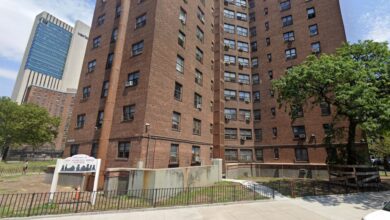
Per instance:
(375,160)
(383,214)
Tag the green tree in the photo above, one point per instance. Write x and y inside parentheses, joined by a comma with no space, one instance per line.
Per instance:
(25,124)
(355,80)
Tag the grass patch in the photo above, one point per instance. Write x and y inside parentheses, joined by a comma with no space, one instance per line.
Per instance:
(31,164)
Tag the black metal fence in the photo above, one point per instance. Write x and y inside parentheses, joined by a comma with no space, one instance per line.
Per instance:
(33,204)
(33,155)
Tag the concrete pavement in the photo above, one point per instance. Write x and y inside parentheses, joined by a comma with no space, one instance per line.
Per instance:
(343,207)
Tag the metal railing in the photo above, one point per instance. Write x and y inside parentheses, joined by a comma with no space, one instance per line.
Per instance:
(34,204)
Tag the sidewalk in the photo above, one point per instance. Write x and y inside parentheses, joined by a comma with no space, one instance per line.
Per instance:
(336,207)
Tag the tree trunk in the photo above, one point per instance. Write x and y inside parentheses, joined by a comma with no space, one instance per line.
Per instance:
(351,151)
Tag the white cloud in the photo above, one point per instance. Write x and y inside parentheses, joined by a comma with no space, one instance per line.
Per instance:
(17,17)
(377,26)
(8,74)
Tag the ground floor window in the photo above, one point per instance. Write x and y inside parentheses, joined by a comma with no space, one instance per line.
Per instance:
(123,149)
(259,154)
(195,160)
(74,149)
(231,155)
(301,154)
(246,155)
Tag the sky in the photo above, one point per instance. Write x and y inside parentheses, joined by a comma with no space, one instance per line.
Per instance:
(363,19)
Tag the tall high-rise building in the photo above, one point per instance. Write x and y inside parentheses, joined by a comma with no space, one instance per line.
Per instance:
(53,57)
(175,83)
(51,67)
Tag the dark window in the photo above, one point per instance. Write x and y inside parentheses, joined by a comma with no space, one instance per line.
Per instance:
(251,3)
(246,155)
(252,17)
(94,150)
(178,91)
(199,34)
(270,74)
(254,46)
(274,132)
(287,20)
(99,120)
(101,19)
(197,125)
(140,21)
(176,117)
(285,5)
(199,55)
(299,132)
(328,128)
(266,25)
(276,153)
(114,35)
(200,15)
(259,154)
(231,155)
(91,66)
(174,154)
(301,154)
(313,30)
(86,92)
(181,39)
(197,101)
(256,96)
(257,114)
(311,13)
(180,64)
(316,47)
(265,11)
(183,16)
(74,149)
(123,149)
(96,42)
(253,31)
(273,112)
(289,36)
(255,79)
(110,59)
(268,41)
(128,112)
(269,57)
(118,11)
(258,134)
(296,111)
(291,53)
(132,79)
(230,133)
(80,121)
(325,108)
(198,77)
(195,159)
(105,87)
(137,48)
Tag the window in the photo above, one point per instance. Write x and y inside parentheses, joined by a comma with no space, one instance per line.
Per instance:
(96,42)
(313,30)
(245,96)
(137,48)
(80,121)
(132,79)
(178,91)
(270,74)
(269,57)
(94,150)
(128,112)
(242,31)
(266,25)
(74,149)
(228,28)
(180,64)
(243,62)
(241,3)
(258,134)
(285,5)
(246,155)
(231,155)
(123,149)
(229,59)
(100,20)
(230,113)
(256,96)
(311,13)
(325,108)
(257,114)
(118,10)
(253,31)
(114,35)
(140,21)
(296,111)
(241,16)
(183,16)
(110,59)
(288,36)
(100,117)
(301,154)
(274,132)
(199,55)
(198,77)
(291,54)
(316,47)
(176,116)
(287,20)
(265,11)
(199,34)
(268,41)
(229,44)
(195,159)
(200,15)
(197,124)
(328,129)
(299,132)
(251,4)
(197,101)
(273,112)
(228,13)
(242,46)
(252,17)
(230,133)
(271,93)
(254,46)
(276,153)
(255,79)
(173,154)
(106,85)
(244,79)
(230,95)
(181,39)
(229,77)
(86,92)
(259,154)
(91,66)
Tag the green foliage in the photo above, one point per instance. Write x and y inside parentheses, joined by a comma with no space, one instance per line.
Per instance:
(25,124)
(356,80)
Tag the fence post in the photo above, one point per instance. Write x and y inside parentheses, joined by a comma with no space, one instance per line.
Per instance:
(234,193)
(154,197)
(77,203)
(273,192)
(314,187)
(254,192)
(188,196)
(31,202)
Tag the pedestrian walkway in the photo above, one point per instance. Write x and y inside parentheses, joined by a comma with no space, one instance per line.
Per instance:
(259,188)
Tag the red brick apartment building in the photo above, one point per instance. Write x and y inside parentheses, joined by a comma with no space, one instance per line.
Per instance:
(172,83)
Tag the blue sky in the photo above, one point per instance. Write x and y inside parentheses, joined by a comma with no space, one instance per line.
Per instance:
(363,19)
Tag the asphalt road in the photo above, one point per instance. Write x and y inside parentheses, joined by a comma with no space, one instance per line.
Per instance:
(343,207)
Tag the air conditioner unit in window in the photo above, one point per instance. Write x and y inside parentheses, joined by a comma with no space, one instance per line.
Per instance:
(199,106)
(226,2)
(129,83)
(247,118)
(247,100)
(240,65)
(227,63)
(227,98)
(183,22)
(302,136)
(226,47)
(240,50)
(243,138)
(197,159)
(228,117)
(175,126)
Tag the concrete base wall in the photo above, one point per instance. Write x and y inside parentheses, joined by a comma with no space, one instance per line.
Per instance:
(276,170)
(67,179)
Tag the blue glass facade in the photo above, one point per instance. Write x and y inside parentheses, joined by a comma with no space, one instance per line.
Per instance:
(49,49)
